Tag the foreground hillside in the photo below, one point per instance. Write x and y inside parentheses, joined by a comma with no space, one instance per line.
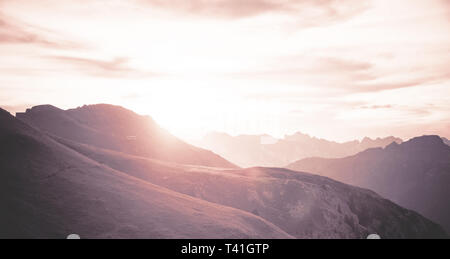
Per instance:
(301,204)
(116,128)
(415,174)
(50,191)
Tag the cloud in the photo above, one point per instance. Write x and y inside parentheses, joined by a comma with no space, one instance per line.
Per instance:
(342,75)
(374,107)
(219,8)
(303,64)
(117,67)
(13,31)
(342,65)
(436,76)
(308,12)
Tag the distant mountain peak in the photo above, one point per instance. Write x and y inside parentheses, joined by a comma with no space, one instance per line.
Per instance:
(264,150)
(426,140)
(298,136)
(392,145)
(366,139)
(43,108)
(4,113)
(100,106)
(301,134)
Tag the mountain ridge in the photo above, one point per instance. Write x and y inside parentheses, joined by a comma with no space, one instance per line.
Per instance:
(264,150)
(50,191)
(414,174)
(301,211)
(53,186)
(117,128)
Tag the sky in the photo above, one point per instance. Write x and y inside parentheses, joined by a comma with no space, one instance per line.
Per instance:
(339,70)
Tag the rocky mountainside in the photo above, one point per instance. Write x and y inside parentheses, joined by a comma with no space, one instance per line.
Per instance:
(415,174)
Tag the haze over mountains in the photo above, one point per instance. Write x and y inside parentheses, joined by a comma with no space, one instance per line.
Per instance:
(54,182)
(414,174)
(264,150)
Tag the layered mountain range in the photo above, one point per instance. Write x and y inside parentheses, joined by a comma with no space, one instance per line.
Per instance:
(414,174)
(264,150)
(102,172)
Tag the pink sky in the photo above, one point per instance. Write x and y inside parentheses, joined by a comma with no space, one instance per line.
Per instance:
(334,69)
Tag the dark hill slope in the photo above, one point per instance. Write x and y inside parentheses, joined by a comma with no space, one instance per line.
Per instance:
(50,191)
(116,128)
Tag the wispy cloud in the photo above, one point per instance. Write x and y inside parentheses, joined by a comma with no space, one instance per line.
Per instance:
(347,75)
(306,12)
(13,31)
(433,78)
(220,8)
(374,107)
(304,64)
(116,67)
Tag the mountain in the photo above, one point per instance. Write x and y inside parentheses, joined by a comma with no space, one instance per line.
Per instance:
(414,174)
(116,128)
(301,204)
(446,141)
(264,150)
(52,186)
(50,191)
